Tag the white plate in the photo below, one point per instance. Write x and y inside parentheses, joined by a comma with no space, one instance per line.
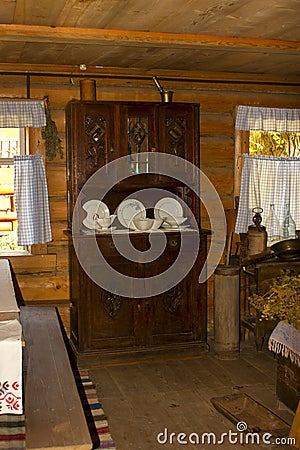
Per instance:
(93,207)
(166,226)
(167,206)
(105,230)
(128,209)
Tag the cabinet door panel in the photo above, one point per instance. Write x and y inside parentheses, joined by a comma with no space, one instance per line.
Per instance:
(177,131)
(138,131)
(96,138)
(172,316)
(112,320)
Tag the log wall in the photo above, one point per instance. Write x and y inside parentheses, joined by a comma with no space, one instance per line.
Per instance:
(43,277)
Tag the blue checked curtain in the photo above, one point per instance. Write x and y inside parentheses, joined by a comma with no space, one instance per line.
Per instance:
(267,119)
(31,200)
(22,113)
(268,180)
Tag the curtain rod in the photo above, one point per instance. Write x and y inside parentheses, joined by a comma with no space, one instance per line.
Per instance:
(134,77)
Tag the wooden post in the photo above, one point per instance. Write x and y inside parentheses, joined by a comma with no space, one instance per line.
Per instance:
(87,89)
(226,312)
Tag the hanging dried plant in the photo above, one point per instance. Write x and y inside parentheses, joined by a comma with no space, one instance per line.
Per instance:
(50,134)
(282,301)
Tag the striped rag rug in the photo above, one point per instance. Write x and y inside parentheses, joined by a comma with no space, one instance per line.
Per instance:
(12,427)
(96,419)
(12,431)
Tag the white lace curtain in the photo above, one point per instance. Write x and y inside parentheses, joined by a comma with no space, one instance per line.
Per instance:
(31,200)
(268,180)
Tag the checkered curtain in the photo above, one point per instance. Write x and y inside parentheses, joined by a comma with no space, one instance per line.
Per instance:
(267,119)
(268,180)
(31,200)
(22,113)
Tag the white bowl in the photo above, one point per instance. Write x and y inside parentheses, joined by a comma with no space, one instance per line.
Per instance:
(174,221)
(156,225)
(105,222)
(142,224)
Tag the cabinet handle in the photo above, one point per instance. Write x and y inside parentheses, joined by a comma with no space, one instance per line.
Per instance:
(173,243)
(139,307)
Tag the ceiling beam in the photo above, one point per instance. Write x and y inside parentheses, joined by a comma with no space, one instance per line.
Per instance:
(41,70)
(38,33)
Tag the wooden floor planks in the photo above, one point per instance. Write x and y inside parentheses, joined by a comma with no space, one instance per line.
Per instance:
(143,399)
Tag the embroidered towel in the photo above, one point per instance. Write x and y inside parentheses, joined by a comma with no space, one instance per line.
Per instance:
(10,367)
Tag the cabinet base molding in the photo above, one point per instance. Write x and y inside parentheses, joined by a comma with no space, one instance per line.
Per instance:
(97,358)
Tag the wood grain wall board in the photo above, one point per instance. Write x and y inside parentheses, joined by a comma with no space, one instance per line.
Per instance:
(217,152)
(216,124)
(57,182)
(58,231)
(34,263)
(44,287)
(58,209)
(61,250)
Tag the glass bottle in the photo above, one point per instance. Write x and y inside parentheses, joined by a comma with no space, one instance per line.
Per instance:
(289,225)
(272,225)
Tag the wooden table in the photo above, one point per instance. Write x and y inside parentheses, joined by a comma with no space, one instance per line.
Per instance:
(262,274)
(9,309)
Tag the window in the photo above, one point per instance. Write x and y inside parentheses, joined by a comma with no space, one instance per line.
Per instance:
(267,165)
(274,143)
(268,143)
(12,143)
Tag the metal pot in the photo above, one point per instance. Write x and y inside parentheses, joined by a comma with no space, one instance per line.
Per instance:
(287,250)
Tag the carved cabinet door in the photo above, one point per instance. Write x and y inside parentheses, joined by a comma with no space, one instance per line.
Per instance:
(171,311)
(178,125)
(91,138)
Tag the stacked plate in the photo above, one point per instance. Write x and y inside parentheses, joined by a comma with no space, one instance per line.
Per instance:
(170,210)
(98,215)
(130,209)
(167,209)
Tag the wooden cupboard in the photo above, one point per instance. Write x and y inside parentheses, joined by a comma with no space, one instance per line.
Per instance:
(104,325)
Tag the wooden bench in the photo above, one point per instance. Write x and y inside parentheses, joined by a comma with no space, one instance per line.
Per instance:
(9,309)
(54,416)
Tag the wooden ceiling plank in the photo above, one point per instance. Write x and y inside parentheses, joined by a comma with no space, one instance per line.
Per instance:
(38,13)
(121,37)
(71,12)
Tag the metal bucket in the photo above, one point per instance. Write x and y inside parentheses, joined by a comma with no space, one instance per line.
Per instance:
(256,240)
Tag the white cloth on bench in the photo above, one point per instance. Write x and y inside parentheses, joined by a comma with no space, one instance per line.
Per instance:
(10,367)
(285,340)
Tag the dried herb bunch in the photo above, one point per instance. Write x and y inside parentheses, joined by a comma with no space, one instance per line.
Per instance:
(50,134)
(282,301)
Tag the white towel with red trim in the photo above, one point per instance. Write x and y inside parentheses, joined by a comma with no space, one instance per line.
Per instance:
(10,367)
